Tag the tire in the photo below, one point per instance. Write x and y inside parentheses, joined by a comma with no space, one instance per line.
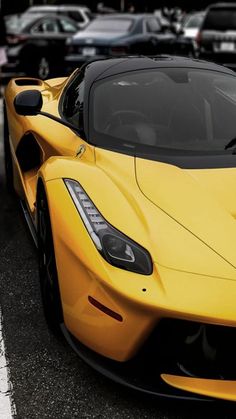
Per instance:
(7,154)
(49,285)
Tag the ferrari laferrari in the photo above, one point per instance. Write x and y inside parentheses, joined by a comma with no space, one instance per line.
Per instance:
(126,173)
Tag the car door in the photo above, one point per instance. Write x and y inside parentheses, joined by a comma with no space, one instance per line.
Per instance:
(158,42)
(152,29)
(147,36)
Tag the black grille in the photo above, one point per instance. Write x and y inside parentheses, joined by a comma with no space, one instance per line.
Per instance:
(193,349)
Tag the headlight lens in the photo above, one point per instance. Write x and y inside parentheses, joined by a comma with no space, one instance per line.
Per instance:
(114,246)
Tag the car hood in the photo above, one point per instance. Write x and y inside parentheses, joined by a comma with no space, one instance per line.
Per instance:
(91,38)
(186,219)
(202,201)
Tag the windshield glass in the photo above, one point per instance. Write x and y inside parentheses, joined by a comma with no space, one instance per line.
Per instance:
(109,25)
(220,19)
(18,24)
(178,110)
(193,21)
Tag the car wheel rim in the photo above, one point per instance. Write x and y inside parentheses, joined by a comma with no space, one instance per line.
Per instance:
(43,68)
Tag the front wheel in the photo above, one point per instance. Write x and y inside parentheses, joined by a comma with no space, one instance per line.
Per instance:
(47,267)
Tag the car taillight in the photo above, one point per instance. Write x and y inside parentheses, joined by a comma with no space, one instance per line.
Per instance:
(70,49)
(119,50)
(15,39)
(198,38)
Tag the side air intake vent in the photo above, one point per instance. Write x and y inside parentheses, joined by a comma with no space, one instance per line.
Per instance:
(28,82)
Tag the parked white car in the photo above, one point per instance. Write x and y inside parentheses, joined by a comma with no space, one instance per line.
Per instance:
(81,14)
(192,24)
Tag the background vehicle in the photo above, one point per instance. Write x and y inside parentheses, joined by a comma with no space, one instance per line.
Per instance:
(103,10)
(192,24)
(217,35)
(80,14)
(121,35)
(165,22)
(36,44)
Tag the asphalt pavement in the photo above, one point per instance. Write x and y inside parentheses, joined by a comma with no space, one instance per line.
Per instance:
(47,379)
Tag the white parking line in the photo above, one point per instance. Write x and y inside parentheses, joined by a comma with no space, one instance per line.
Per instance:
(7,406)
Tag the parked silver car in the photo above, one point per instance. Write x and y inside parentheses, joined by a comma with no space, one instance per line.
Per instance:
(81,14)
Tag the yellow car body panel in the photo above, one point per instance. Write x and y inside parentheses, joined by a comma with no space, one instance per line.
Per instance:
(173,217)
(220,389)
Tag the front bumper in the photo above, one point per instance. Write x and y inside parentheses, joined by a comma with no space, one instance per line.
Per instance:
(155,314)
(165,364)
(137,374)
(146,351)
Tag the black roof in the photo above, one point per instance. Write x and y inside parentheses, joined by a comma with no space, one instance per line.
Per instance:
(97,70)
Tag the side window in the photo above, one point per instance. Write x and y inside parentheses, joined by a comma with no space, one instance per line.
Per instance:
(74,102)
(50,26)
(37,28)
(89,14)
(76,15)
(153,26)
(67,25)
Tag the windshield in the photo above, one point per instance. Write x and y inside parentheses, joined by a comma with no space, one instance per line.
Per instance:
(109,25)
(181,111)
(220,19)
(18,24)
(193,21)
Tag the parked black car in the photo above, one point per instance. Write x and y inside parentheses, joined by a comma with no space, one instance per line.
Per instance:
(36,44)
(217,35)
(121,35)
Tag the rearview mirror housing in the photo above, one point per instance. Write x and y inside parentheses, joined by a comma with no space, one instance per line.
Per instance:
(28,103)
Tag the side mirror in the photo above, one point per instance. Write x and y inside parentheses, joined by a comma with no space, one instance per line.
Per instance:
(28,102)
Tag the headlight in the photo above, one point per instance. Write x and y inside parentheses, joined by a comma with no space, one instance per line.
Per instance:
(114,246)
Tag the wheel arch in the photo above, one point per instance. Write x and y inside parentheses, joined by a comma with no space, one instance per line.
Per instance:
(52,305)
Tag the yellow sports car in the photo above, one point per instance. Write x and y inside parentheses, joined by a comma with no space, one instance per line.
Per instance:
(126,171)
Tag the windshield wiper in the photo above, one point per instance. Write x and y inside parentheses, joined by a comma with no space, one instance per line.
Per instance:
(231,143)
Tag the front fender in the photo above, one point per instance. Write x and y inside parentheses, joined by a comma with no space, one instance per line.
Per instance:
(115,193)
